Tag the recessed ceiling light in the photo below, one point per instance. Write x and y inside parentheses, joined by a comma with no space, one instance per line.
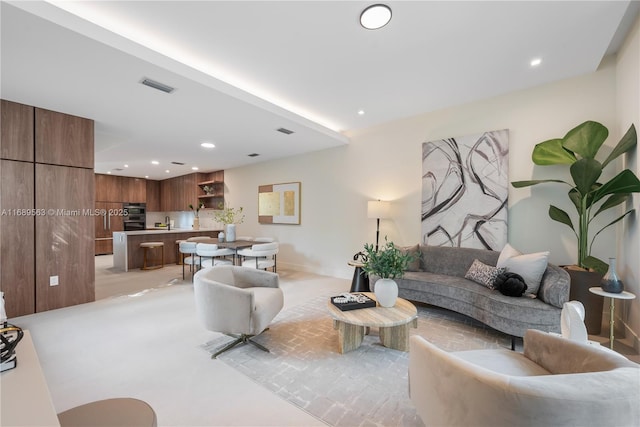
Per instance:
(375,16)
(361,113)
(155,162)
(194,168)
(167,171)
(109,172)
(535,62)
(126,166)
(207,145)
(146,176)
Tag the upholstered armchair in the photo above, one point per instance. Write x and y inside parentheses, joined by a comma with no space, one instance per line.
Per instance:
(556,382)
(237,301)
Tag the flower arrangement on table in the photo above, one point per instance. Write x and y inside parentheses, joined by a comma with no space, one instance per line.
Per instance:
(196,210)
(228,215)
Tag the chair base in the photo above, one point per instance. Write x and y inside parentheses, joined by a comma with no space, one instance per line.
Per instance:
(242,339)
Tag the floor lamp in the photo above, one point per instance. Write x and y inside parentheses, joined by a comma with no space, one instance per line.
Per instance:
(377,209)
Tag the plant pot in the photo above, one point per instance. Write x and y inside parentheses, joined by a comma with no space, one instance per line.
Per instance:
(581,281)
(386,292)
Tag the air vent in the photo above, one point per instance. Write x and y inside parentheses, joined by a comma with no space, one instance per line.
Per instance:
(117,169)
(177,163)
(285,131)
(157,85)
(253,155)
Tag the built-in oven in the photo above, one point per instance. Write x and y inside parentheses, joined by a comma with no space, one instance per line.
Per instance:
(135,218)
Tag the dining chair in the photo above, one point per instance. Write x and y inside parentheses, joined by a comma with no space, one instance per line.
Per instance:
(260,256)
(211,255)
(190,249)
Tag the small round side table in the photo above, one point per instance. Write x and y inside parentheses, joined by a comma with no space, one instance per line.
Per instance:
(612,297)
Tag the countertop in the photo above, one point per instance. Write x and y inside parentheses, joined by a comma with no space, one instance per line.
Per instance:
(165,231)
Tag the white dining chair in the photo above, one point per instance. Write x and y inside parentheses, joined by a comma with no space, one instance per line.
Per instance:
(211,255)
(191,259)
(260,256)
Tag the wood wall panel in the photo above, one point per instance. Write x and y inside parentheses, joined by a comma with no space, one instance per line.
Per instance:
(153,195)
(17,258)
(62,139)
(16,131)
(64,240)
(135,190)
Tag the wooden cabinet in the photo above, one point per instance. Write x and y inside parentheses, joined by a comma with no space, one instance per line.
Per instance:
(135,189)
(176,194)
(64,237)
(153,195)
(17,254)
(210,189)
(113,188)
(16,131)
(108,220)
(61,139)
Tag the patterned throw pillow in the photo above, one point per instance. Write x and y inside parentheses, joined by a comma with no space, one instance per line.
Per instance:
(483,273)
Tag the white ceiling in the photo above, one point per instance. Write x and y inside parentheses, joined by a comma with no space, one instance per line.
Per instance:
(243,69)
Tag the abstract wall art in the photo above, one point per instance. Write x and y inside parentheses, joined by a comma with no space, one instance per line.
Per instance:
(279,203)
(465,183)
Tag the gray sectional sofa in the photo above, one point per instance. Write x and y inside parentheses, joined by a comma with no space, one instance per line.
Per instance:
(437,277)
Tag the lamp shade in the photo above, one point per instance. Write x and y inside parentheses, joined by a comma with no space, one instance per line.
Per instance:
(378,209)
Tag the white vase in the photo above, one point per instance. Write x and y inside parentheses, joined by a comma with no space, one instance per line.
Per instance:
(386,291)
(231,233)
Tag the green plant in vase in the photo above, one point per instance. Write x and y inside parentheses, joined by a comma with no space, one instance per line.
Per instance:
(388,263)
(229,217)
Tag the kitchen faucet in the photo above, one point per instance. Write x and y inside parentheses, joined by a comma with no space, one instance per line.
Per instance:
(167,221)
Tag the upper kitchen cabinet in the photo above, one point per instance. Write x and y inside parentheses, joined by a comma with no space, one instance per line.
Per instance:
(153,195)
(123,189)
(176,194)
(16,131)
(62,139)
(135,189)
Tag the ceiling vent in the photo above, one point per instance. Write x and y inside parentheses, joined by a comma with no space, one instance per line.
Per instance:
(253,155)
(117,169)
(157,85)
(285,131)
(177,163)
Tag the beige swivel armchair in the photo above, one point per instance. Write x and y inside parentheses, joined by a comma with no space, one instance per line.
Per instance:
(556,382)
(237,301)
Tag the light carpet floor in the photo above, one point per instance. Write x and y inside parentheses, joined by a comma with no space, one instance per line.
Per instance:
(364,387)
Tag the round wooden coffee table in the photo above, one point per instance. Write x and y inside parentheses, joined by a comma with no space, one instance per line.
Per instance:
(393,324)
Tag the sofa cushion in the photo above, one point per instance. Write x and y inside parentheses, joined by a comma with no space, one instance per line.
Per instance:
(453,261)
(414,251)
(483,274)
(555,285)
(530,266)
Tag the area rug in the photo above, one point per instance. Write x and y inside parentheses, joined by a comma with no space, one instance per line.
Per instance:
(364,387)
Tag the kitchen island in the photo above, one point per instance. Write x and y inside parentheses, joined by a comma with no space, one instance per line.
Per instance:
(127,254)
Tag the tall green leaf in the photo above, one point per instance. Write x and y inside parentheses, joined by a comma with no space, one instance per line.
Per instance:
(613,200)
(520,184)
(585,173)
(559,215)
(586,139)
(628,141)
(552,152)
(624,182)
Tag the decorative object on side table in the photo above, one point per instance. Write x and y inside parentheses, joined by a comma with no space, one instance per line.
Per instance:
(578,150)
(611,282)
(388,263)
(196,212)
(229,217)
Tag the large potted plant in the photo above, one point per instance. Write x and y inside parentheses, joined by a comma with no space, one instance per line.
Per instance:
(578,150)
(388,263)
(229,217)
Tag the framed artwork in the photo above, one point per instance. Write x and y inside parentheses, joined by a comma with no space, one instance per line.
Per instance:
(279,203)
(465,184)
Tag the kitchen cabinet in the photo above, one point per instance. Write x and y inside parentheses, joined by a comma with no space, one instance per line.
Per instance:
(46,227)
(64,236)
(122,189)
(176,194)
(134,189)
(17,253)
(16,132)
(61,139)
(153,195)
(108,219)
(210,189)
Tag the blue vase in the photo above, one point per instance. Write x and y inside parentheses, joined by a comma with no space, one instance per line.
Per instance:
(611,282)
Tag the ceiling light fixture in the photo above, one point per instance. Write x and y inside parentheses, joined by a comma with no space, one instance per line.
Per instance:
(167,171)
(535,62)
(194,168)
(361,112)
(155,162)
(207,145)
(157,85)
(126,166)
(375,16)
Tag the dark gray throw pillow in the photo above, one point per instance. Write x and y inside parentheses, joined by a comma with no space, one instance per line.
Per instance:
(510,284)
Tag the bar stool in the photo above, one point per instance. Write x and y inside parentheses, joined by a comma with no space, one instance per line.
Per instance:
(146,246)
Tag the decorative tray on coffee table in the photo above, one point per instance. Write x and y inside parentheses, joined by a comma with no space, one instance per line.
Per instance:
(352,301)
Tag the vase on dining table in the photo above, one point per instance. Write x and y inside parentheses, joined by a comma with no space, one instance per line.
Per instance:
(231,233)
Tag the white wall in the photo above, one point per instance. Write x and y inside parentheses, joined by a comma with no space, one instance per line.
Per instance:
(628,111)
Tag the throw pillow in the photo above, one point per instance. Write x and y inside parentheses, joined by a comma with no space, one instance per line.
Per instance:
(530,266)
(482,273)
(510,284)
(414,250)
